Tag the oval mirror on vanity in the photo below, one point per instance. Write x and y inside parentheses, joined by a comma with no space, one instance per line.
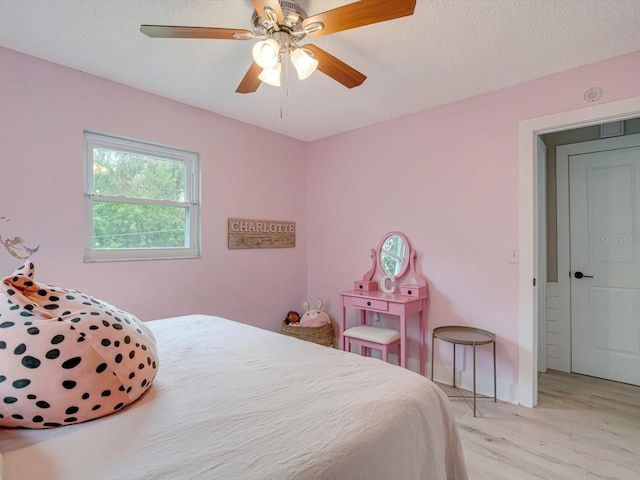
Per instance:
(394,254)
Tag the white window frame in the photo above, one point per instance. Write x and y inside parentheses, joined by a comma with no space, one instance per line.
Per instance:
(191,201)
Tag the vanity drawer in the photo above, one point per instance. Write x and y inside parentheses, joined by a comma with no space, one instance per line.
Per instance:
(413,291)
(365,286)
(369,304)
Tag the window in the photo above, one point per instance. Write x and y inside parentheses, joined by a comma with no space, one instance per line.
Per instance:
(141,200)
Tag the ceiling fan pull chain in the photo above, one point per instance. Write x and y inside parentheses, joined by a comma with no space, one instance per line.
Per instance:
(286,56)
(284,85)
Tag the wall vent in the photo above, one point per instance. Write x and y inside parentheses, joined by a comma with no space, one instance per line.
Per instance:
(613,129)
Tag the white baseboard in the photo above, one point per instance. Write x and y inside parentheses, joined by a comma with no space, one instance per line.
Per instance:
(507,391)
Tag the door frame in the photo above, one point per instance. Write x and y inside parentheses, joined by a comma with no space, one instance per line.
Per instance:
(540,308)
(564,236)
(529,191)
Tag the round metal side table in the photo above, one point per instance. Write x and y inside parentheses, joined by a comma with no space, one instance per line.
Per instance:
(462,335)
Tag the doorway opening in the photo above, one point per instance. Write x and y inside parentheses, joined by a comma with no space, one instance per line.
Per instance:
(529,191)
(557,331)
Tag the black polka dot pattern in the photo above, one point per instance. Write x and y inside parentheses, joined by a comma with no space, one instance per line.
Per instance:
(66,357)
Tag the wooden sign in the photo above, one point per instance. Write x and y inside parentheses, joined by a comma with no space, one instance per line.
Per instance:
(248,233)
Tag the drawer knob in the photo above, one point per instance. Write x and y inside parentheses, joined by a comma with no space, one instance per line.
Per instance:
(409,292)
(361,286)
(368,304)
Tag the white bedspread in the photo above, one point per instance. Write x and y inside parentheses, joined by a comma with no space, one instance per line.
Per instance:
(235,402)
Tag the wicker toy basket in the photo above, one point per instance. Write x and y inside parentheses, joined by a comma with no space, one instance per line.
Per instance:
(321,335)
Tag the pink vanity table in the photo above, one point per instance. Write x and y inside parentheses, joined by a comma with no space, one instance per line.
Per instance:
(392,260)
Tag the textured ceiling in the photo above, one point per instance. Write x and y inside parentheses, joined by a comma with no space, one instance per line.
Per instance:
(448,50)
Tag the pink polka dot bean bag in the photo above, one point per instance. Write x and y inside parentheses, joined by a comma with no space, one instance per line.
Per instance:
(66,357)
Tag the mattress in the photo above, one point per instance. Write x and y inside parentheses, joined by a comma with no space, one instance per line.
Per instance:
(232,401)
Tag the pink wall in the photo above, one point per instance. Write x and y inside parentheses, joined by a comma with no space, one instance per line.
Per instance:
(246,172)
(448,178)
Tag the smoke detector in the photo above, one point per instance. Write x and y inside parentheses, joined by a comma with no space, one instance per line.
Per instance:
(593,94)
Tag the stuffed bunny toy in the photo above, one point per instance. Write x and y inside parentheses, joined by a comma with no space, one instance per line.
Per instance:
(315,317)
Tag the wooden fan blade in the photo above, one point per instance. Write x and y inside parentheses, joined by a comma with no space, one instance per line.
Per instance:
(250,82)
(336,69)
(359,14)
(166,31)
(274,5)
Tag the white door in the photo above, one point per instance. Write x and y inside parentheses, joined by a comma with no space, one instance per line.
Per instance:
(605,264)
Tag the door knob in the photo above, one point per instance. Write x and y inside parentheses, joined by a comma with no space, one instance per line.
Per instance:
(582,275)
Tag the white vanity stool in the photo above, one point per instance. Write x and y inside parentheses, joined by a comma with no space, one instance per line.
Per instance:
(368,336)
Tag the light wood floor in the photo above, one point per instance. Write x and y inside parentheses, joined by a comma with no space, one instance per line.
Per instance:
(583,428)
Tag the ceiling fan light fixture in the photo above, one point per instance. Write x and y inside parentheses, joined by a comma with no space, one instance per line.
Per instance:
(266,53)
(271,75)
(304,63)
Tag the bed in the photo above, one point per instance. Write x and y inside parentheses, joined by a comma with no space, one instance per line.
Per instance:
(232,401)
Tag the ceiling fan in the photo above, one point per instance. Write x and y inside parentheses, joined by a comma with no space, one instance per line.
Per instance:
(280,24)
